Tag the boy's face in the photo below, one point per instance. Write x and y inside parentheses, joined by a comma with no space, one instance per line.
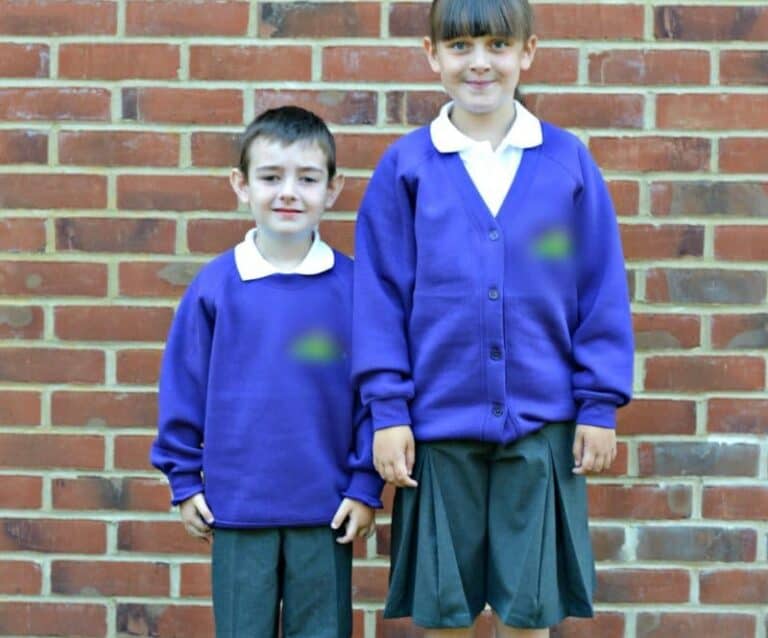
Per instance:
(287,187)
(480,73)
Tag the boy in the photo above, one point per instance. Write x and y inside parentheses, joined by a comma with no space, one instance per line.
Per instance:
(259,434)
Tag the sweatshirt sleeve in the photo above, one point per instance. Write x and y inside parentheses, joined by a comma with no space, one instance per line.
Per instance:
(602,343)
(366,484)
(385,258)
(177,450)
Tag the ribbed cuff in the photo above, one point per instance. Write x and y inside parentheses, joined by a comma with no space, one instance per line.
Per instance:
(598,413)
(388,413)
(366,487)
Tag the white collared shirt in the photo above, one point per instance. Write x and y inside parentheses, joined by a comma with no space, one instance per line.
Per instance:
(252,265)
(492,171)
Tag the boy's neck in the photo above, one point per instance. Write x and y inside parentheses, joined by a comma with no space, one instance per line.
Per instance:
(284,252)
(490,127)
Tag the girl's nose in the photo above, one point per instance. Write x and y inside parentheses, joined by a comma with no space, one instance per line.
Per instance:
(480,60)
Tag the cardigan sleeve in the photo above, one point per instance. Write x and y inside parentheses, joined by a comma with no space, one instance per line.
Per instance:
(177,450)
(365,484)
(602,342)
(385,258)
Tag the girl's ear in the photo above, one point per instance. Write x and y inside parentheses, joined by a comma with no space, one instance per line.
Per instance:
(529,51)
(334,188)
(239,184)
(431,50)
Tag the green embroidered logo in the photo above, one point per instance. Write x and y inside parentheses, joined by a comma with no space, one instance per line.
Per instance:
(553,244)
(317,347)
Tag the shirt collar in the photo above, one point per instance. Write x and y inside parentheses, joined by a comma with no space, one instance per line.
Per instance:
(525,132)
(252,265)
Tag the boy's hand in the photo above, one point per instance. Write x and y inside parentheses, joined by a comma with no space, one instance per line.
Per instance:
(197,516)
(359,517)
(393,455)
(594,449)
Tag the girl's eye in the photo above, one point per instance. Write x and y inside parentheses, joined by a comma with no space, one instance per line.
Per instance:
(499,44)
(458,45)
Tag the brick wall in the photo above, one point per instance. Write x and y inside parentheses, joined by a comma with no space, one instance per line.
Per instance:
(117,125)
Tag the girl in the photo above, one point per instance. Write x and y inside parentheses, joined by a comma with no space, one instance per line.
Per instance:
(492,326)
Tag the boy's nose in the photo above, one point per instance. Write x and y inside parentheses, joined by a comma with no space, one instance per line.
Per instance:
(288,190)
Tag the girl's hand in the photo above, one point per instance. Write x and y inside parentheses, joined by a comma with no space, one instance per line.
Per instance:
(394,452)
(197,517)
(594,449)
(360,520)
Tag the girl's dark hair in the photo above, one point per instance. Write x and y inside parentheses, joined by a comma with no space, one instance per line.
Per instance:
(287,125)
(450,19)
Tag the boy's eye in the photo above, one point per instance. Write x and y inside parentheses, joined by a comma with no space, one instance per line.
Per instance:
(309,180)
(269,178)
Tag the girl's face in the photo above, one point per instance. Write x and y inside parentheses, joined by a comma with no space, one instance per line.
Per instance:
(481,73)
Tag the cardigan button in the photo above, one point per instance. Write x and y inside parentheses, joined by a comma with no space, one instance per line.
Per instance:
(496,354)
(493,294)
(498,409)
(493,235)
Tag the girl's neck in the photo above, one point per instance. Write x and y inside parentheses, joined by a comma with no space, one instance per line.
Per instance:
(490,127)
(284,252)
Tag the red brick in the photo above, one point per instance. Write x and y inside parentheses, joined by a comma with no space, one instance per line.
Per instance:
(45,451)
(183,106)
(409,19)
(334,106)
(742,199)
(734,586)
(553,66)
(659,332)
(215,149)
(642,586)
(741,243)
(132,452)
(319,20)
(704,373)
(744,67)
(735,502)
(196,580)
(100,409)
(663,625)
(58,17)
(59,104)
(376,64)
(696,544)
(605,625)
(22,235)
(646,67)
(216,235)
(66,620)
(350,198)
(21,492)
(589,21)
(744,155)
(24,60)
(138,366)
(109,578)
(110,235)
(51,365)
(705,286)
(651,153)
(37,278)
(625,195)
(657,416)
(119,61)
(698,458)
(639,501)
(738,416)
(414,107)
(23,147)
(156,279)
(118,148)
(20,577)
(175,192)
(53,191)
(173,621)
(607,542)
(740,331)
(369,583)
(697,112)
(19,407)
(648,242)
(106,493)
(182,18)
(53,535)
(248,63)
(21,322)
(361,150)
(158,537)
(711,23)
(339,234)
(589,110)
(112,323)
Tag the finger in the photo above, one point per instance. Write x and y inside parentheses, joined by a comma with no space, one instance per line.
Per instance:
(349,533)
(578,449)
(389,473)
(410,458)
(588,459)
(204,511)
(340,515)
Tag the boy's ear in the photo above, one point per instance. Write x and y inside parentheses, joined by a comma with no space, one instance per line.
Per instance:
(335,184)
(431,51)
(239,184)
(529,51)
